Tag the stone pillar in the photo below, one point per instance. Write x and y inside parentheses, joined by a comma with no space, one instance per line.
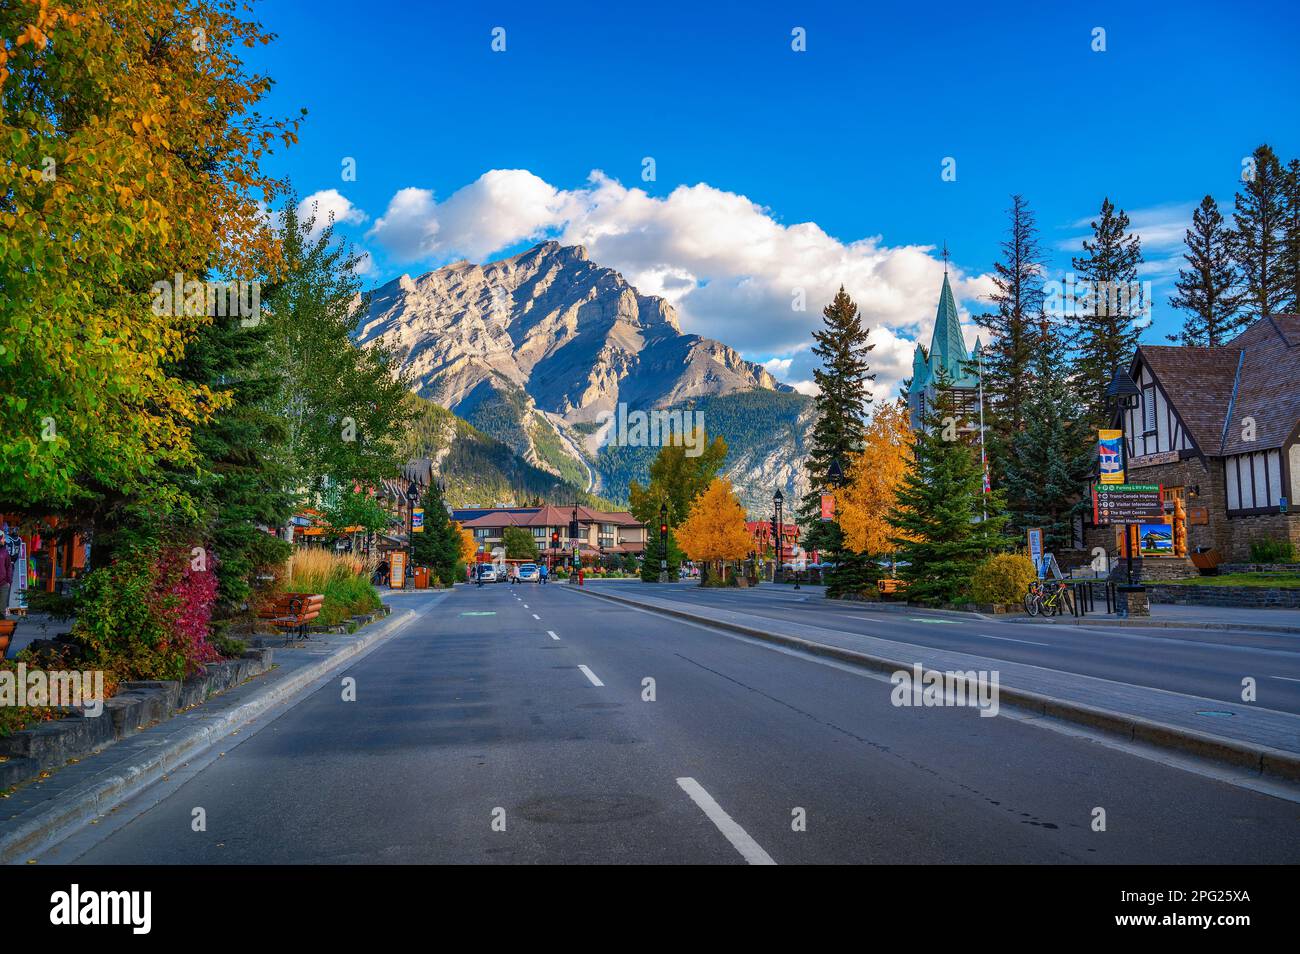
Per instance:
(1132,602)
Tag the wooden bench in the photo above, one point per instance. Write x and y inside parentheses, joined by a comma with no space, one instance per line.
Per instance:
(290,611)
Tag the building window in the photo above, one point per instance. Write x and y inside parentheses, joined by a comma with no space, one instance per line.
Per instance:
(1149,409)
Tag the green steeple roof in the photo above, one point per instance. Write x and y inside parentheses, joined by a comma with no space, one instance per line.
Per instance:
(947,349)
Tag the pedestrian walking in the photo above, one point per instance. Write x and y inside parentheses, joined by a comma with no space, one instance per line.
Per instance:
(6,576)
(542,573)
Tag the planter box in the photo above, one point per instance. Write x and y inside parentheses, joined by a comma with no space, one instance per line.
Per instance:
(136,707)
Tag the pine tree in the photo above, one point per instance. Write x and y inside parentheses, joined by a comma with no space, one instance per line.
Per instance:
(1109,310)
(1258,238)
(1209,287)
(440,546)
(1008,352)
(1051,458)
(1291,238)
(842,402)
(655,552)
(937,515)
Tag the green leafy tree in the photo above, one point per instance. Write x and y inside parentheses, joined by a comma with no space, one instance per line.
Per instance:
(1258,237)
(1052,456)
(842,405)
(1209,288)
(937,514)
(344,407)
(676,479)
(519,544)
(1108,315)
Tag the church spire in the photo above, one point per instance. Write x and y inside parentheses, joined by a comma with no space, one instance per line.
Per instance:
(947,347)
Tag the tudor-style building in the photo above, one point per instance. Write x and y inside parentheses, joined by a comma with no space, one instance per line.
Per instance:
(947,361)
(1219,428)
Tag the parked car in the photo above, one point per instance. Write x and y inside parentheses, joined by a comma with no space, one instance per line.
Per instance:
(528,573)
(487,573)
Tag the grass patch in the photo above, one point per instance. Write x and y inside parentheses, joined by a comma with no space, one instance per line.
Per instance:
(1283,581)
(342,580)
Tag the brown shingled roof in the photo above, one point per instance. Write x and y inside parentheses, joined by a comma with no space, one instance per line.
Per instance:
(1205,383)
(1269,390)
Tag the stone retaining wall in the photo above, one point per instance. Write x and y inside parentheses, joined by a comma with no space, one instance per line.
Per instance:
(137,706)
(1248,596)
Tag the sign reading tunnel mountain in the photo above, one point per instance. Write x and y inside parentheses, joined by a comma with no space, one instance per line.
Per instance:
(1126,503)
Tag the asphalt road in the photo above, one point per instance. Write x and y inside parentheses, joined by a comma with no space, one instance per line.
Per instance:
(487,710)
(1200,662)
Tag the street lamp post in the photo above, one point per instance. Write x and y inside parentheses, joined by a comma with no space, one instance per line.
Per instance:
(1124,392)
(663,542)
(777,499)
(412,495)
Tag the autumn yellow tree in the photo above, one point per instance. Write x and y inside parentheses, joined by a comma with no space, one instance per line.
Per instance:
(468,545)
(132,156)
(714,530)
(874,476)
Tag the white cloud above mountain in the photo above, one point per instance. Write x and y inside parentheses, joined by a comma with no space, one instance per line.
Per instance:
(730,267)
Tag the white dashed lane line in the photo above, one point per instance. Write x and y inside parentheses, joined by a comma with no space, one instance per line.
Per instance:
(551,633)
(740,839)
(590,675)
(535,616)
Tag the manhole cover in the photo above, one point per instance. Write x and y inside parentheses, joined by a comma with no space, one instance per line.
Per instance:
(1216,713)
(587,809)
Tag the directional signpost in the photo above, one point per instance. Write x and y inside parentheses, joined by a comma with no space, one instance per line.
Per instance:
(1126,503)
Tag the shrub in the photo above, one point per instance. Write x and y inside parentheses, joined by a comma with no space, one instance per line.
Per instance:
(1004,578)
(343,580)
(146,614)
(1272,550)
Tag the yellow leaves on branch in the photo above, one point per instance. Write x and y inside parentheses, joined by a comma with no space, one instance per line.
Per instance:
(131,157)
(715,528)
(874,477)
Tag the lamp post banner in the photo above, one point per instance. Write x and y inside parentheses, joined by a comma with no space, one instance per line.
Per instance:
(1110,454)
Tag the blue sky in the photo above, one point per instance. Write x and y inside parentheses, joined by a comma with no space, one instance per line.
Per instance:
(776,170)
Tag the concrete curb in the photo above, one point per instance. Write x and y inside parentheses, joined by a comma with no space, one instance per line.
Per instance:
(1256,758)
(74,808)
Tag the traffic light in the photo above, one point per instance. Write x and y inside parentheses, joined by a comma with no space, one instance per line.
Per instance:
(573,529)
(555,538)
(663,531)
(776,531)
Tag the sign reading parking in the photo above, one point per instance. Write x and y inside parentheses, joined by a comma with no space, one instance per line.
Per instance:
(1126,503)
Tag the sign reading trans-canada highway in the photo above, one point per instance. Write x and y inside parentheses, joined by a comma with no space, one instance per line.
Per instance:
(1126,503)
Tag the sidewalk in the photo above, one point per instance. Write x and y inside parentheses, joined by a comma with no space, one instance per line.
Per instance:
(1178,615)
(1259,740)
(44,811)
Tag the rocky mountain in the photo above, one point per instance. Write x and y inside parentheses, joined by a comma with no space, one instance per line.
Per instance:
(536,349)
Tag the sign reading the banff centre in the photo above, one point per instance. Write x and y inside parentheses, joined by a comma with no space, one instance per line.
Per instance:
(1126,503)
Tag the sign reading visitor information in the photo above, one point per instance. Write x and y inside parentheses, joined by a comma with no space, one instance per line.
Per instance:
(1110,455)
(1126,503)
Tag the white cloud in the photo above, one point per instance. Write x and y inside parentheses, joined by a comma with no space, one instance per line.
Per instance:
(329,203)
(730,267)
